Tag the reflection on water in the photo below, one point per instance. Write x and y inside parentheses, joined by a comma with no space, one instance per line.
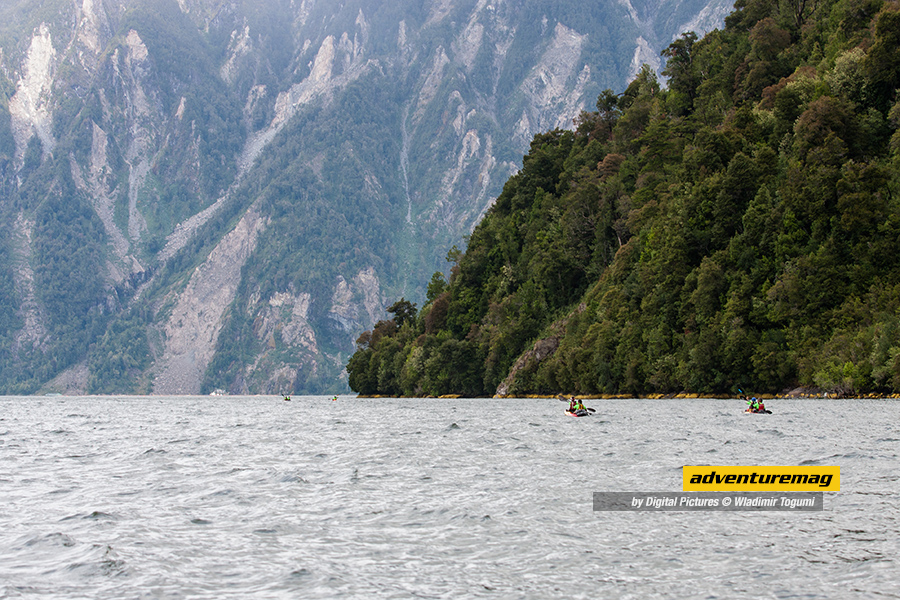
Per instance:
(228,497)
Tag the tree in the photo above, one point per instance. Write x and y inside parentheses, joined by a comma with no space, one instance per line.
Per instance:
(608,110)
(798,11)
(403,311)
(883,59)
(683,77)
(762,65)
(436,286)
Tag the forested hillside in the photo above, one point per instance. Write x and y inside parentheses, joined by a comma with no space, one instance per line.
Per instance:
(737,229)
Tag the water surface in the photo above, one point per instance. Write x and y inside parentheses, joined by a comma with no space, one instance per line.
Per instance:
(253,497)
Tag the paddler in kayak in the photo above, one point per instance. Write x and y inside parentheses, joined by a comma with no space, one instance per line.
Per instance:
(755,405)
(575,405)
(577,408)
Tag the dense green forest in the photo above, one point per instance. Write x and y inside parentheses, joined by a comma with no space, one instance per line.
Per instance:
(735,228)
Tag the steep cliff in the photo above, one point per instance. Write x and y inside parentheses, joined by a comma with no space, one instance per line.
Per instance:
(211,195)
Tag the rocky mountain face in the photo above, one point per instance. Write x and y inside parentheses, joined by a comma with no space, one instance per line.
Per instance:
(212,194)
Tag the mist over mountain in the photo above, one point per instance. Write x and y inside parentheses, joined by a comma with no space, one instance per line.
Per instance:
(208,194)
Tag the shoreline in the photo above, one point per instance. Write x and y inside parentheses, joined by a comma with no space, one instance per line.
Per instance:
(670,396)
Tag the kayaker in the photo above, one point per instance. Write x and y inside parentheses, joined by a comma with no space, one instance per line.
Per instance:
(573,405)
(579,405)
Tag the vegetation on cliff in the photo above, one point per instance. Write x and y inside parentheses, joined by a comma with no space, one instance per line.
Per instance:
(135,135)
(737,229)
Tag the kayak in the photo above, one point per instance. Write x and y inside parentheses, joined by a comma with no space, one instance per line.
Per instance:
(578,413)
(759,412)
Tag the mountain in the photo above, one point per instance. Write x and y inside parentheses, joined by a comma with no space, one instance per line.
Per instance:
(735,231)
(211,194)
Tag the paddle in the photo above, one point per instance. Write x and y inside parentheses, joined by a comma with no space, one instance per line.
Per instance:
(561,398)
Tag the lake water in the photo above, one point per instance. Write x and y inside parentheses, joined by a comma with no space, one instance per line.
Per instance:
(232,497)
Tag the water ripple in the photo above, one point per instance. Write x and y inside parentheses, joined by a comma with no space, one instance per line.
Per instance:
(255,498)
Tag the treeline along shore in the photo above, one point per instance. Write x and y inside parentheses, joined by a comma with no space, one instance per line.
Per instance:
(681,396)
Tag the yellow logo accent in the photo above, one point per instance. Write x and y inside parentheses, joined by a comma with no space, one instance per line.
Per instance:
(761,479)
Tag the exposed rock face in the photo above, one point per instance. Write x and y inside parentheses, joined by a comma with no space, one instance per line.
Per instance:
(33,334)
(71,382)
(142,141)
(138,122)
(358,303)
(556,85)
(320,82)
(541,350)
(30,106)
(193,329)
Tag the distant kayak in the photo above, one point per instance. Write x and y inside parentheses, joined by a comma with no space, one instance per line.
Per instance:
(759,412)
